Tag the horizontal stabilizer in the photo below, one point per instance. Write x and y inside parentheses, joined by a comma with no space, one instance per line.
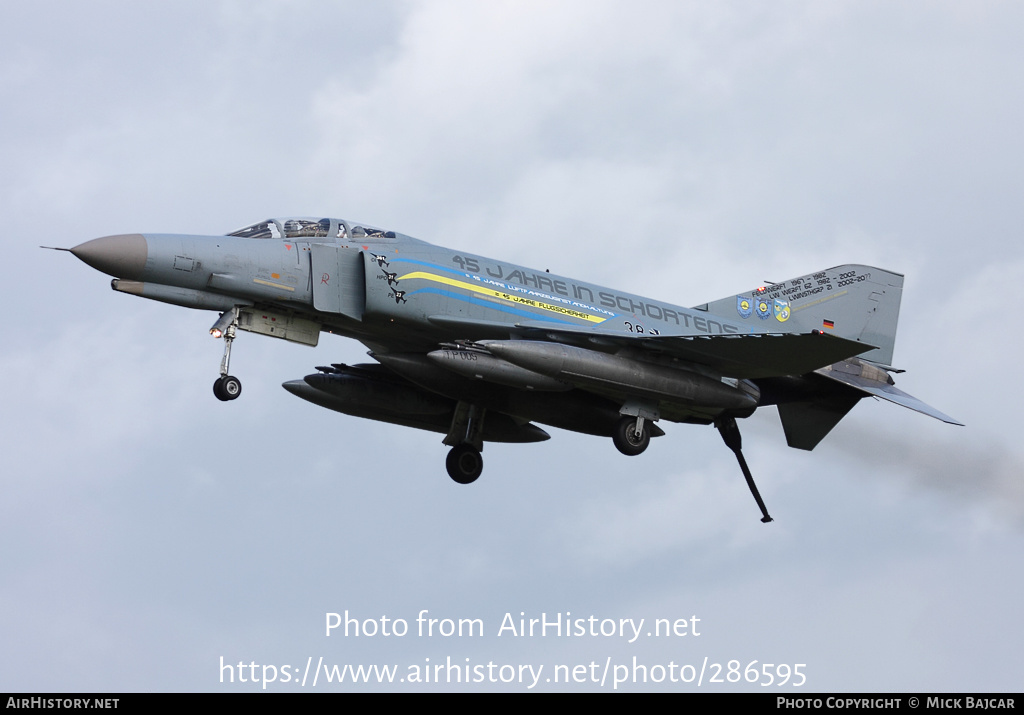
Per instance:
(885,390)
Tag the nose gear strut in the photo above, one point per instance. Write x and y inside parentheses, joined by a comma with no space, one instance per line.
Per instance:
(226,387)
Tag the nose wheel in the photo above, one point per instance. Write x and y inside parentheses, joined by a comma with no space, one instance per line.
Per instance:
(227,388)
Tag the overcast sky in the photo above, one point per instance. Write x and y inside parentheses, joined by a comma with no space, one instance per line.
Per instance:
(684,151)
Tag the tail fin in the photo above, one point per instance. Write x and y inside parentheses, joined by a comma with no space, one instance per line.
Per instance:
(855,302)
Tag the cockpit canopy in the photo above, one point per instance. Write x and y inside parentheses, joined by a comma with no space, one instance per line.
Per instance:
(332,229)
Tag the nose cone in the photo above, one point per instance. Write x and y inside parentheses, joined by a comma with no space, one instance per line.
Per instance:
(122,256)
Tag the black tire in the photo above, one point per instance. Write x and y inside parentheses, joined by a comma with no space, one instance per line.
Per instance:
(464,464)
(218,390)
(231,387)
(626,439)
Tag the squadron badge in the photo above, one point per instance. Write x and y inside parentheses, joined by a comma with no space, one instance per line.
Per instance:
(743,306)
(763,309)
(781,310)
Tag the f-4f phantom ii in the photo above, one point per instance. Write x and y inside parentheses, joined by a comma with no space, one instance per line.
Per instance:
(479,350)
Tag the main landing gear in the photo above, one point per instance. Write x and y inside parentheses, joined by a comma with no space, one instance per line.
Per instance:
(226,387)
(632,435)
(464,462)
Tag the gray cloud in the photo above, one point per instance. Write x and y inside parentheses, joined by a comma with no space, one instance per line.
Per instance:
(961,467)
(680,151)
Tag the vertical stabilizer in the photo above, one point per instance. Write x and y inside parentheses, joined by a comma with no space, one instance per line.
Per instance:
(855,302)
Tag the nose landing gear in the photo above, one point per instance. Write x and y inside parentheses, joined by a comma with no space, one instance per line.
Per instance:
(226,387)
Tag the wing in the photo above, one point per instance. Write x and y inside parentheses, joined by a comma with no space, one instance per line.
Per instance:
(756,356)
(742,356)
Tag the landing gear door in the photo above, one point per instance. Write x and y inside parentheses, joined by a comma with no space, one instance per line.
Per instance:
(339,280)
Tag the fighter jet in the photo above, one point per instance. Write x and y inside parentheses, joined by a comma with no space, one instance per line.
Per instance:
(479,350)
